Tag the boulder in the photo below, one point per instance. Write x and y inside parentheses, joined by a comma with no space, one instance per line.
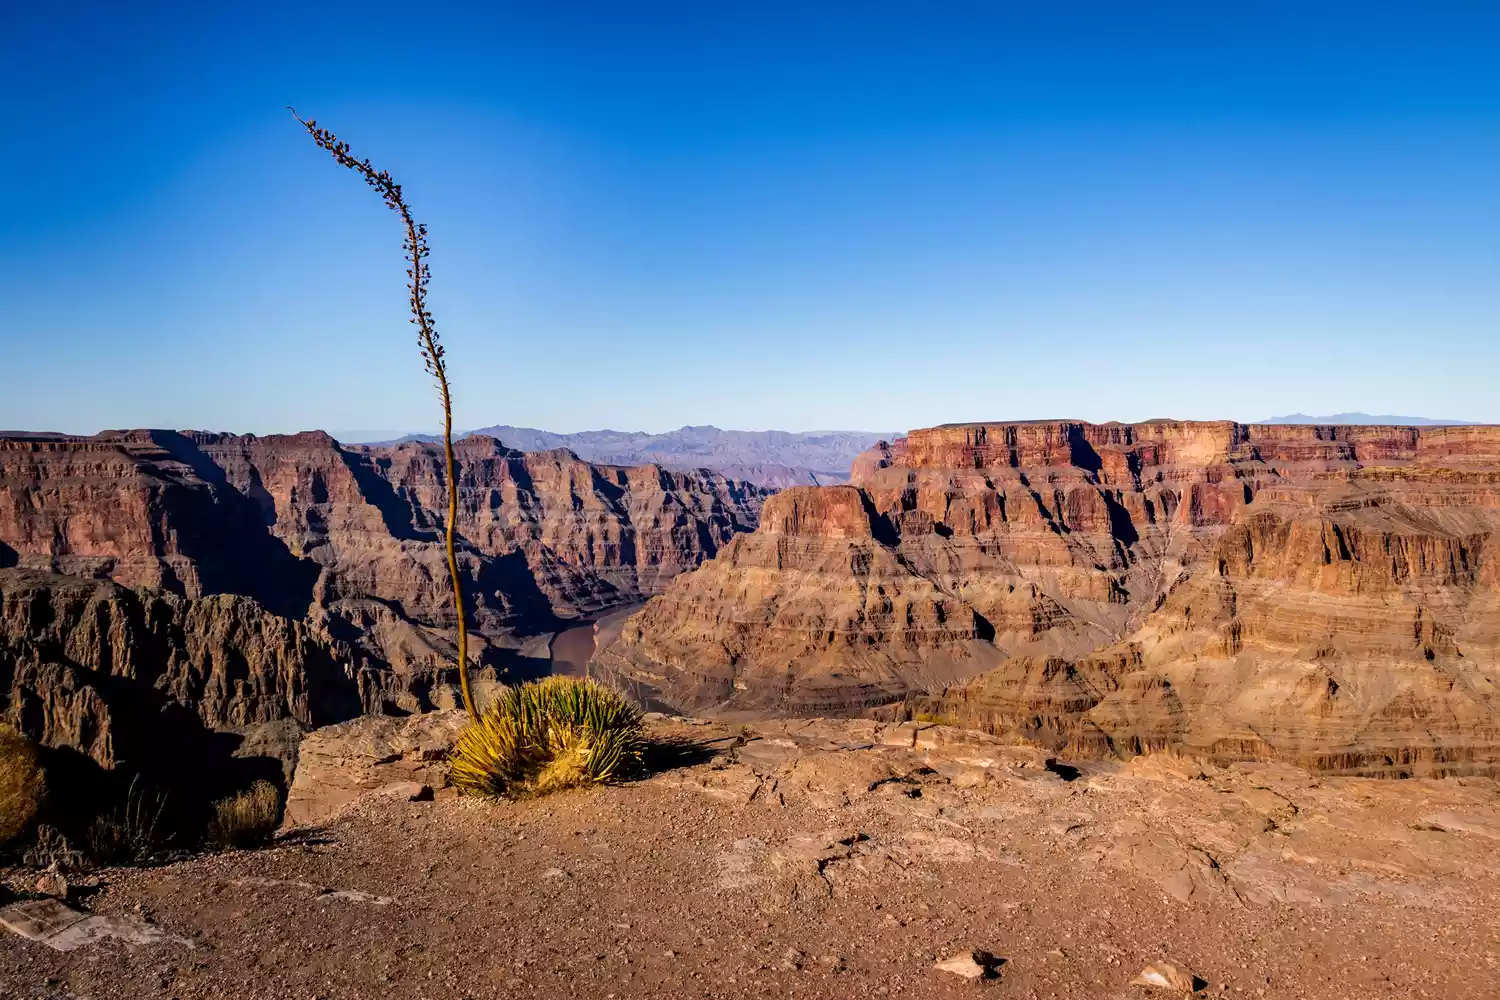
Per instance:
(401,756)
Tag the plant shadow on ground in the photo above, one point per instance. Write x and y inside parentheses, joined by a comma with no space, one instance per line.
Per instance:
(660,754)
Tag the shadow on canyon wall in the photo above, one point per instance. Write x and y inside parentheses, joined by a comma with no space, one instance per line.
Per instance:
(225,532)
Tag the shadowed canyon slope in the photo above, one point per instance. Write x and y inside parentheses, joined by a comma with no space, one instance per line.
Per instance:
(252,579)
(1320,594)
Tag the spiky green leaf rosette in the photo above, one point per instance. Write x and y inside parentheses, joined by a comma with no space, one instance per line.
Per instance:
(551,734)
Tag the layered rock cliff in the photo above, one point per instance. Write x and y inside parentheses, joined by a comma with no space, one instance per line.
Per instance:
(337,548)
(121,675)
(1328,595)
(816,612)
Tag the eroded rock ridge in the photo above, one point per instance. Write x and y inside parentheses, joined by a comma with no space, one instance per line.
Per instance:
(251,579)
(1325,595)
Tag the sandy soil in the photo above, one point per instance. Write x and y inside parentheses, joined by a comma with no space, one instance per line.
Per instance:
(834,860)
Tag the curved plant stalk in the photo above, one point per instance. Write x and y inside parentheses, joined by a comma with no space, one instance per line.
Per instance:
(418,274)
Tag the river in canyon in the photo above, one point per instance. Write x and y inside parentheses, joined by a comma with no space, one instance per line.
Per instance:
(573,647)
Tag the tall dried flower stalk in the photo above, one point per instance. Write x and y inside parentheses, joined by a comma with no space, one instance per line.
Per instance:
(418,274)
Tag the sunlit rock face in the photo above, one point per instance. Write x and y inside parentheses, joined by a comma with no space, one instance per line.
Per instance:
(1326,595)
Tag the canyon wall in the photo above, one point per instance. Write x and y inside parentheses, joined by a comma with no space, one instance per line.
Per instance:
(1325,595)
(221,540)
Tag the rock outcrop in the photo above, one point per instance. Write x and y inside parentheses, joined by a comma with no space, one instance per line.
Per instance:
(338,765)
(1324,595)
(838,859)
(261,578)
(134,675)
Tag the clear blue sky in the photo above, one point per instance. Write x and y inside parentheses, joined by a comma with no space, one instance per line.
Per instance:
(879,215)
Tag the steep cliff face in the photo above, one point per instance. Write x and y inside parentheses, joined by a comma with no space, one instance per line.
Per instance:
(344,544)
(120,674)
(1322,594)
(143,508)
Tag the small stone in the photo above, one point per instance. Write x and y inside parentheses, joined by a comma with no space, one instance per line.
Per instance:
(1056,955)
(554,873)
(411,791)
(970,965)
(52,883)
(1166,976)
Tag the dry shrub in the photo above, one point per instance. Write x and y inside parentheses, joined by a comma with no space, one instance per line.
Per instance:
(132,831)
(52,850)
(434,355)
(23,786)
(546,736)
(247,819)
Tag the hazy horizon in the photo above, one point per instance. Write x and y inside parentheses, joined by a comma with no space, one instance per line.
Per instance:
(383,435)
(774,218)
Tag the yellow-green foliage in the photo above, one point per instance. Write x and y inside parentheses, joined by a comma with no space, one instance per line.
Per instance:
(22,784)
(248,818)
(548,735)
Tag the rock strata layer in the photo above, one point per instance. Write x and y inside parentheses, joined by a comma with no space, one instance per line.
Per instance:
(250,579)
(1328,596)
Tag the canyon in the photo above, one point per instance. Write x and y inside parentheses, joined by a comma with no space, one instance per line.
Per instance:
(234,581)
(1117,699)
(1327,596)
(771,458)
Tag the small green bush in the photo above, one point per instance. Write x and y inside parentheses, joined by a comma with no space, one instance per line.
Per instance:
(555,733)
(247,819)
(23,786)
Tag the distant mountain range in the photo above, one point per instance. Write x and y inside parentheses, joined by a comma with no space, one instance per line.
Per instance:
(1366,418)
(769,458)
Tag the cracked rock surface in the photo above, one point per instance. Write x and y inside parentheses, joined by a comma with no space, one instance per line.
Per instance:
(832,859)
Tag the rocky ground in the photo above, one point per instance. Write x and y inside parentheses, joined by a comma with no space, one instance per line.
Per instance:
(813,859)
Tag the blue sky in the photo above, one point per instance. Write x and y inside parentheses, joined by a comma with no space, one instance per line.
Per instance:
(875,215)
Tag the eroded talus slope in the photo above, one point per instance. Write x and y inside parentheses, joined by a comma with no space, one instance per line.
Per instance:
(1322,594)
(346,544)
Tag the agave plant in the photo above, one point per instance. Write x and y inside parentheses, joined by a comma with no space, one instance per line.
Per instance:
(433,358)
(547,735)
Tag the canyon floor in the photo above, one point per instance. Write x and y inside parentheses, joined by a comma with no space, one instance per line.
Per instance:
(827,859)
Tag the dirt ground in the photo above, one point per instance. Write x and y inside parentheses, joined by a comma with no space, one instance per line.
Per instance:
(833,860)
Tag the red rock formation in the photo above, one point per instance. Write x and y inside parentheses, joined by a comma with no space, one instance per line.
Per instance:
(1322,594)
(842,622)
(94,666)
(345,543)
